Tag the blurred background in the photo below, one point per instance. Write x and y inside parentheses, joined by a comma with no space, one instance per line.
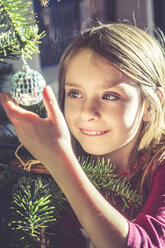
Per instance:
(62,20)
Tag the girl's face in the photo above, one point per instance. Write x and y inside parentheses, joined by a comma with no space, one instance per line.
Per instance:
(103,108)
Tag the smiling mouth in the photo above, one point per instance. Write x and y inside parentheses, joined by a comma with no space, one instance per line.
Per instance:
(93,133)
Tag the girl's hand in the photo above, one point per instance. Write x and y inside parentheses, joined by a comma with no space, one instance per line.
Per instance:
(40,136)
(49,141)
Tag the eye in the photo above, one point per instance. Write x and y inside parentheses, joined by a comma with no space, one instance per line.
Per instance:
(74,94)
(111,97)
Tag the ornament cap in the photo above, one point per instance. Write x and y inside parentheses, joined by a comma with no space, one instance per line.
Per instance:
(25,68)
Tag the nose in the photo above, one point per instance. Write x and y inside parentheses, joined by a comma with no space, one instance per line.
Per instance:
(90,110)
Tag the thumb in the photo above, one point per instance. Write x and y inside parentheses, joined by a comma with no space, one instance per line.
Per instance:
(54,113)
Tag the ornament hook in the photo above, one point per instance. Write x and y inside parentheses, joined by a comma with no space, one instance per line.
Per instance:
(25,66)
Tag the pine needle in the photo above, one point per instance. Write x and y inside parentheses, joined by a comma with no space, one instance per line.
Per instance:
(103,176)
(19,30)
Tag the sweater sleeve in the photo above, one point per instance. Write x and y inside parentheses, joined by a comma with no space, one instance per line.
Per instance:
(148,230)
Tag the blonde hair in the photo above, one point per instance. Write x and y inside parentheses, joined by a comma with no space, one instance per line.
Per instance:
(136,53)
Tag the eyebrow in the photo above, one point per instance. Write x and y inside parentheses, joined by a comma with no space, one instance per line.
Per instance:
(107,84)
(71,84)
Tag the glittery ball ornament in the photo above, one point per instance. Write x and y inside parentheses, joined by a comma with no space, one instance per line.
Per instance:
(26,86)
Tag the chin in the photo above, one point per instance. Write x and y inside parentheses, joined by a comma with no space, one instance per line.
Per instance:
(95,152)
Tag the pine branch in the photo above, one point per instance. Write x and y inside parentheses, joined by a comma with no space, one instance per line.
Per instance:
(7,179)
(19,30)
(31,209)
(103,176)
(58,198)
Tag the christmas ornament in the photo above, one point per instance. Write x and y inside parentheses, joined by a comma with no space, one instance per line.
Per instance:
(26,86)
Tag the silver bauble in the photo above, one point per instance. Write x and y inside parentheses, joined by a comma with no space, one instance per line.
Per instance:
(26,86)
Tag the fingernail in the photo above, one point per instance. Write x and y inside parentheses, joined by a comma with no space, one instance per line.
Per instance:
(49,89)
(49,92)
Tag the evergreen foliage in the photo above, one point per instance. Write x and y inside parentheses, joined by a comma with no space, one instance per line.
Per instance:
(19,30)
(29,202)
(31,209)
(103,176)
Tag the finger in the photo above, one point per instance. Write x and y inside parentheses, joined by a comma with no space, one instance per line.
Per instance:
(54,113)
(13,111)
(5,97)
(7,102)
(50,103)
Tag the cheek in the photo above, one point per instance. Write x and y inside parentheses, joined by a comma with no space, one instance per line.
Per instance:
(69,113)
(71,108)
(129,116)
(132,115)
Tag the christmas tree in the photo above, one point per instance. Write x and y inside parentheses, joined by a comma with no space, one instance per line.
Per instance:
(31,201)
(27,199)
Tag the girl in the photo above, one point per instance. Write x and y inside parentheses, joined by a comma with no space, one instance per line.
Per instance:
(111,92)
